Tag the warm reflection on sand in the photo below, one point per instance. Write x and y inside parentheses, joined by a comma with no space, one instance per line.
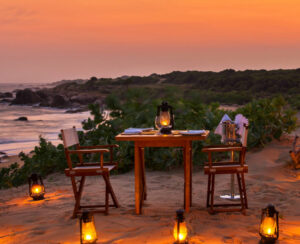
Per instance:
(49,196)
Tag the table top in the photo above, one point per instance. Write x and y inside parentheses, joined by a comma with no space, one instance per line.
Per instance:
(154,135)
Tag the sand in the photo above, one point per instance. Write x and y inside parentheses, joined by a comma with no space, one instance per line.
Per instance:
(270,180)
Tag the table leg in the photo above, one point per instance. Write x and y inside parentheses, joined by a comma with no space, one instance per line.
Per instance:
(187,176)
(138,183)
(143,168)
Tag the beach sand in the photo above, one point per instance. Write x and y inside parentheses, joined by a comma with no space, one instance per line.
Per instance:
(270,180)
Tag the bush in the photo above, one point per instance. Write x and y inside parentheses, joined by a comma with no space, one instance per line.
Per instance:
(46,159)
(269,118)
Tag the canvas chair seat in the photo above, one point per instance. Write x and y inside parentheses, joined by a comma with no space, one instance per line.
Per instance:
(226,168)
(88,170)
(84,169)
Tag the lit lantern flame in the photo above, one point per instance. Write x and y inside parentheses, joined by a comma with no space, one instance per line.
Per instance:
(165,118)
(36,187)
(269,224)
(181,237)
(180,230)
(87,228)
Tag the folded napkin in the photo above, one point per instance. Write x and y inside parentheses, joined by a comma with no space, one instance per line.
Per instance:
(219,129)
(192,132)
(239,120)
(136,130)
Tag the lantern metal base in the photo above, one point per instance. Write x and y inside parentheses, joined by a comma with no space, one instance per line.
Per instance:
(265,240)
(165,131)
(231,197)
(38,198)
(185,242)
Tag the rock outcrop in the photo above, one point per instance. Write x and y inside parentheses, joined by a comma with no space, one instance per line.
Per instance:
(59,102)
(27,97)
(6,95)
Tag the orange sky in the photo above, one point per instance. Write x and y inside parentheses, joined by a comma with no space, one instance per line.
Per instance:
(50,40)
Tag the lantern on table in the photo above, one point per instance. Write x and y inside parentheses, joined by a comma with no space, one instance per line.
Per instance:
(164,120)
(180,230)
(36,187)
(88,232)
(269,228)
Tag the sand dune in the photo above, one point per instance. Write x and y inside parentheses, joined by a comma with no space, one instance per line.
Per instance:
(269,180)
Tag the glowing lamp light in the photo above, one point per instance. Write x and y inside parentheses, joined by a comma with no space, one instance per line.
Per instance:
(180,230)
(88,234)
(164,120)
(269,226)
(36,187)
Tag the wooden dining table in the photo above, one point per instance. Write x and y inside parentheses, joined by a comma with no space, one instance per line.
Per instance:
(158,140)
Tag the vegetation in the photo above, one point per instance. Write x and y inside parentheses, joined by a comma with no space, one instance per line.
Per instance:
(269,118)
(226,87)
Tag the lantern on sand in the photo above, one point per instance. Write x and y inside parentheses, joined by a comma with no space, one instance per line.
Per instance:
(180,230)
(36,187)
(164,120)
(88,234)
(269,228)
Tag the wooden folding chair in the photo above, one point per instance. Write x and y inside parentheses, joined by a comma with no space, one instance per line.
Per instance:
(239,168)
(83,169)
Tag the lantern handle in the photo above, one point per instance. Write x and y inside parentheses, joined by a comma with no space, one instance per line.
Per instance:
(172,117)
(41,180)
(158,110)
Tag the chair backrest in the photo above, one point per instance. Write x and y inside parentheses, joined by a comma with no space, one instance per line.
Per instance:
(244,136)
(70,137)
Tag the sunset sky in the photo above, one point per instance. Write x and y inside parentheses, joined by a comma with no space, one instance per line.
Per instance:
(51,40)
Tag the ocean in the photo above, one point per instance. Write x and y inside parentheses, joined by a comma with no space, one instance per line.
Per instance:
(17,136)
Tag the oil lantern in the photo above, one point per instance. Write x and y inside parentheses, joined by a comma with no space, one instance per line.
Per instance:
(164,120)
(269,228)
(180,230)
(36,187)
(88,234)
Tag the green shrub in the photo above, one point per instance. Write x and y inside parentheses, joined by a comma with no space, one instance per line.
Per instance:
(269,118)
(46,159)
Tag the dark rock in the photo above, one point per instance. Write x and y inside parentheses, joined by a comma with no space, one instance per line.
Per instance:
(6,95)
(23,118)
(83,99)
(43,95)
(26,96)
(3,155)
(45,103)
(59,102)
(6,100)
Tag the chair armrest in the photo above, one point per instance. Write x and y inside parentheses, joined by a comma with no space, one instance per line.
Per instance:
(85,151)
(99,146)
(221,148)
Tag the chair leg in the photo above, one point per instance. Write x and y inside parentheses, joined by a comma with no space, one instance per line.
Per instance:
(111,191)
(106,199)
(77,194)
(208,191)
(244,190)
(212,194)
(241,191)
